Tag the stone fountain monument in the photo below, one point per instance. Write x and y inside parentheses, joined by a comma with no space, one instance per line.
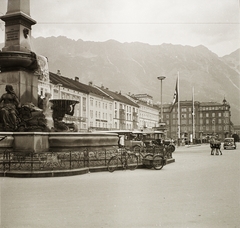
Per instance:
(17,61)
(18,65)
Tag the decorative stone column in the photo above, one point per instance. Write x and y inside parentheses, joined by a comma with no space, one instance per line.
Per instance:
(17,61)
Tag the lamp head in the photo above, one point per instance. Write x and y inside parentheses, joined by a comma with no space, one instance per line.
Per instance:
(161,78)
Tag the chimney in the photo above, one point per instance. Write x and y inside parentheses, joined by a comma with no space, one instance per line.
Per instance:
(58,72)
(90,83)
(77,79)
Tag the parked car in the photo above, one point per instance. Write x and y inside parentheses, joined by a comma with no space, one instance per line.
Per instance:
(130,138)
(229,143)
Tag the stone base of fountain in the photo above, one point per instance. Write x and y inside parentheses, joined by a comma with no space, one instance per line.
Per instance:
(38,142)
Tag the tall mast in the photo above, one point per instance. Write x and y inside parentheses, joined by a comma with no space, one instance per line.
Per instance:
(179,130)
(193,116)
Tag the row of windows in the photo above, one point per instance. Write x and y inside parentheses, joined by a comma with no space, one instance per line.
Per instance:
(128,116)
(206,121)
(213,108)
(201,115)
(201,128)
(149,116)
(185,109)
(98,104)
(100,115)
(101,125)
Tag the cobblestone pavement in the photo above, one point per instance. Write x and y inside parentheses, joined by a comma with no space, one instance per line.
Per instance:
(198,190)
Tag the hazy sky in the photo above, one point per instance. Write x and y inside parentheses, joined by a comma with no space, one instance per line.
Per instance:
(212,23)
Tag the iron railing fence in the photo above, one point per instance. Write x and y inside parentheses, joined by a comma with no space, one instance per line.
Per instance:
(70,160)
(45,161)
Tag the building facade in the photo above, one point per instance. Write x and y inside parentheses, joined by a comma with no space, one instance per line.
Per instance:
(199,121)
(148,116)
(99,108)
(125,111)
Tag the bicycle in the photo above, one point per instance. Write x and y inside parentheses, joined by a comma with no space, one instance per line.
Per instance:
(157,159)
(124,158)
(147,152)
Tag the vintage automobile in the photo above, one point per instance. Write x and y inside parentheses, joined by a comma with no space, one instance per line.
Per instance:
(229,143)
(151,138)
(131,138)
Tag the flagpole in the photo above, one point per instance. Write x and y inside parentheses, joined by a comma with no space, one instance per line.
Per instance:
(179,131)
(193,115)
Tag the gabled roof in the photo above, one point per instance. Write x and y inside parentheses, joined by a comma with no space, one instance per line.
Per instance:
(119,97)
(75,85)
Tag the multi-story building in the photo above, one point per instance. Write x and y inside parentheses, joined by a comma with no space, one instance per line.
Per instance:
(210,118)
(148,112)
(99,108)
(125,115)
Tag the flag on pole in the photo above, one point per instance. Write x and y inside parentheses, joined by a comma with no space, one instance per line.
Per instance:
(175,96)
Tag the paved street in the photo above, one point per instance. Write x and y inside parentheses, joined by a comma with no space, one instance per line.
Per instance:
(198,190)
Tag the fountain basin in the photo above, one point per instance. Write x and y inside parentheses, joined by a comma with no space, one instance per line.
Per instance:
(56,141)
(74,141)
(13,59)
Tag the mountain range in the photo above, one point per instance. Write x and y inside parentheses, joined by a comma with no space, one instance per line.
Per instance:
(134,67)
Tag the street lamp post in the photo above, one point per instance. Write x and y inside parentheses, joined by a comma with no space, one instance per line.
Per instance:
(161,78)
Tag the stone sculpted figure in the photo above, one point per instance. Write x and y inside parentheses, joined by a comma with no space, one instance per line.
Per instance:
(9,103)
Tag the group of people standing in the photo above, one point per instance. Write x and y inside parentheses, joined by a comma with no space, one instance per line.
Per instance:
(215,145)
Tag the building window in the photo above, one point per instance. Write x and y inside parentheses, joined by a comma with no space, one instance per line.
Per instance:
(213,114)
(184,116)
(207,114)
